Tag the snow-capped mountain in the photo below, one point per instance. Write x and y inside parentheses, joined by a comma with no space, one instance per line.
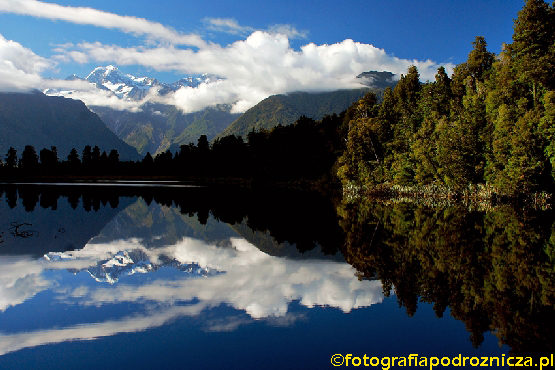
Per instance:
(130,262)
(129,87)
(123,86)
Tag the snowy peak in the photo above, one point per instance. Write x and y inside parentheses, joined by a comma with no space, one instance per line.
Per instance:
(123,86)
(130,262)
(129,87)
(111,75)
(73,77)
(100,75)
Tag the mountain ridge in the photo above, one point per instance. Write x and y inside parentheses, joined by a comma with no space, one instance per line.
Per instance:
(158,127)
(285,109)
(44,121)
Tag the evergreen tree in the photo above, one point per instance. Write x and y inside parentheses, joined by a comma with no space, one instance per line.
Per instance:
(532,48)
(73,159)
(49,159)
(113,157)
(29,161)
(86,158)
(11,158)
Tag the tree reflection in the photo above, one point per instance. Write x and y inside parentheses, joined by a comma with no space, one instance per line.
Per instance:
(494,270)
(303,219)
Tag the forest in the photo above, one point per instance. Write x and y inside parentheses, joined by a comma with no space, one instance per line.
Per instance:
(491,125)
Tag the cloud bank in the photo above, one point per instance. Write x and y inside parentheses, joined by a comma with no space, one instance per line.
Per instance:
(254,283)
(262,64)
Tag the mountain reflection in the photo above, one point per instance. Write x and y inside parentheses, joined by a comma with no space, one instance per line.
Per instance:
(193,263)
(144,257)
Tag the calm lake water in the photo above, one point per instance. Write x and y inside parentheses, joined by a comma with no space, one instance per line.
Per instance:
(177,277)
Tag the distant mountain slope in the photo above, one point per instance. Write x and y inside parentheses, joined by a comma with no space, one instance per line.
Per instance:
(44,121)
(286,109)
(159,127)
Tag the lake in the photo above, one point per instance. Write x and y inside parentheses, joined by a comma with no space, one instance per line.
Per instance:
(142,277)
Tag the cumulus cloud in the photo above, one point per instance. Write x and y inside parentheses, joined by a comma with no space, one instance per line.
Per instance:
(261,65)
(20,279)
(89,16)
(21,71)
(258,285)
(253,282)
(20,68)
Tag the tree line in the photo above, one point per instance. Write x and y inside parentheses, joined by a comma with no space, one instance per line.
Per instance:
(305,150)
(47,162)
(492,122)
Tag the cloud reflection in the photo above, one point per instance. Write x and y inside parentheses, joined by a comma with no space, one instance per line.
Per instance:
(260,285)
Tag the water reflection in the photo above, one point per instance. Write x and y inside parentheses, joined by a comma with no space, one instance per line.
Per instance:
(236,274)
(127,259)
(495,270)
(165,261)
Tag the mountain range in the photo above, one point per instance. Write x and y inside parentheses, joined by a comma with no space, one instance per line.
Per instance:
(286,109)
(159,127)
(129,87)
(130,262)
(156,126)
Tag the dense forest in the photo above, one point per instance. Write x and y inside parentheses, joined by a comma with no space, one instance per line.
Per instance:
(492,122)
(491,125)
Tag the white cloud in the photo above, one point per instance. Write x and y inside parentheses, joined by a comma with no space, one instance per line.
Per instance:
(261,65)
(17,341)
(231,26)
(227,25)
(255,283)
(288,30)
(89,16)
(20,279)
(92,96)
(20,68)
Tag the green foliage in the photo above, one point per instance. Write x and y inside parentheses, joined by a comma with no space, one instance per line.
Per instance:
(492,122)
(286,109)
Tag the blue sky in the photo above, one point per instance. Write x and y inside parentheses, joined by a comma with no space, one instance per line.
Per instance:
(244,41)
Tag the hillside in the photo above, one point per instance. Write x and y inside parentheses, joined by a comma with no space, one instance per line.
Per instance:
(157,126)
(43,121)
(160,126)
(286,109)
